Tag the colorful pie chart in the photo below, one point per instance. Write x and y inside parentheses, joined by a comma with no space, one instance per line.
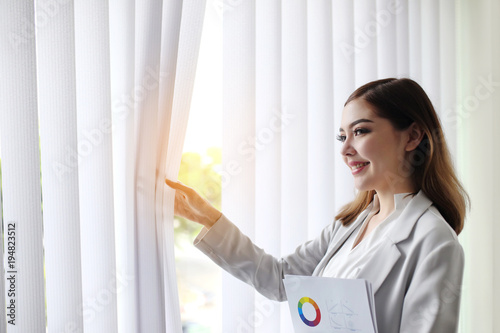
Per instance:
(316,320)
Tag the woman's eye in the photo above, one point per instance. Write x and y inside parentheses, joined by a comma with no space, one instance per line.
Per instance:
(359,131)
(356,132)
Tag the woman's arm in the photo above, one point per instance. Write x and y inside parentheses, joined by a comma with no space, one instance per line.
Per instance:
(229,248)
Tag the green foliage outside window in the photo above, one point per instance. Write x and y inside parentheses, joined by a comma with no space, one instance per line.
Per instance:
(201,173)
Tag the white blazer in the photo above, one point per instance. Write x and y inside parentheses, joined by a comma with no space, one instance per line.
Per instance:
(416,273)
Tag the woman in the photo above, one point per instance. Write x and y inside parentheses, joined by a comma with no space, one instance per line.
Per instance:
(399,233)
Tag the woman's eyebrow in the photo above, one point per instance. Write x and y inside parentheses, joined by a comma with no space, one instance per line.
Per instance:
(354,123)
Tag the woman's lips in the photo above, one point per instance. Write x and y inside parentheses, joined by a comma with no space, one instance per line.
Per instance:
(358,167)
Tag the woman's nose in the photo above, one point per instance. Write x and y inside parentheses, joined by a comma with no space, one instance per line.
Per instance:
(347,148)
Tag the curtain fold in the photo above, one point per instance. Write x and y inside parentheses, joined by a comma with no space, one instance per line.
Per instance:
(110,83)
(431,42)
(190,30)
(294,130)
(59,162)
(22,214)
(386,42)
(365,41)
(268,161)
(400,12)
(320,101)
(415,39)
(147,60)
(237,155)
(170,50)
(343,85)
(448,70)
(95,172)
(123,92)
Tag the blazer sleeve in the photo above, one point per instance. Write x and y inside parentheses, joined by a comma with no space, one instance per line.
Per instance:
(229,248)
(432,300)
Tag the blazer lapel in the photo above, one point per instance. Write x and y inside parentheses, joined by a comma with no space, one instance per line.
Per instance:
(418,205)
(377,270)
(338,240)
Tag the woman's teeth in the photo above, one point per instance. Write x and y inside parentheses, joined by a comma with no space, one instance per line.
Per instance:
(357,166)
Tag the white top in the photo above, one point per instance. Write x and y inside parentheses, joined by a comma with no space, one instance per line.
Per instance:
(348,261)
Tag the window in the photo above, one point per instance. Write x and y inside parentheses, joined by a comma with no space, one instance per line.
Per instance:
(199,280)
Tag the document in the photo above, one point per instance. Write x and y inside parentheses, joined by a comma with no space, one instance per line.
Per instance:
(325,305)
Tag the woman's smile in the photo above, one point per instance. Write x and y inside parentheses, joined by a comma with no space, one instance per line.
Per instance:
(357,167)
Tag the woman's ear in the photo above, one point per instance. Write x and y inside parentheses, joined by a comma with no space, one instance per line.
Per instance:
(415,136)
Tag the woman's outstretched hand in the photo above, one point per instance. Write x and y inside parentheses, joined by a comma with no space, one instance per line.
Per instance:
(190,205)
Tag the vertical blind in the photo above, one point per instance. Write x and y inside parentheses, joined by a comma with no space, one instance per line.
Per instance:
(94,98)
(22,214)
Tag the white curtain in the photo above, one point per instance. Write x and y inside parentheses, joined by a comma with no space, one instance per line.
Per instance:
(290,65)
(94,99)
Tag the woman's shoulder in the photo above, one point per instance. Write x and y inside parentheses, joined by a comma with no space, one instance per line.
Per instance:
(431,237)
(431,232)
(433,223)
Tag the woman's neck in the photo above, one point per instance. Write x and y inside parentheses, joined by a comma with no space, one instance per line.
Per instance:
(386,204)
(386,200)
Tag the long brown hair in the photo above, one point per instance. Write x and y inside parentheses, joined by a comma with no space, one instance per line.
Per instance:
(403,102)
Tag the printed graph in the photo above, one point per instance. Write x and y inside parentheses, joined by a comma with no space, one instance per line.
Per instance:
(342,316)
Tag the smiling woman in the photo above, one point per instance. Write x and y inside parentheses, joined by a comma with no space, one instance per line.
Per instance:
(409,136)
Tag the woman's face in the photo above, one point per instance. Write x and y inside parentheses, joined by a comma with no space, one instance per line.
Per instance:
(373,149)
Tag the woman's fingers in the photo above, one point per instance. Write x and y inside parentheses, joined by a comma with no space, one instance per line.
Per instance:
(184,198)
(175,185)
(189,204)
(178,186)
(181,206)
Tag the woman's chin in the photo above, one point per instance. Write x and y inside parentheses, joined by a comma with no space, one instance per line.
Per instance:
(362,186)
